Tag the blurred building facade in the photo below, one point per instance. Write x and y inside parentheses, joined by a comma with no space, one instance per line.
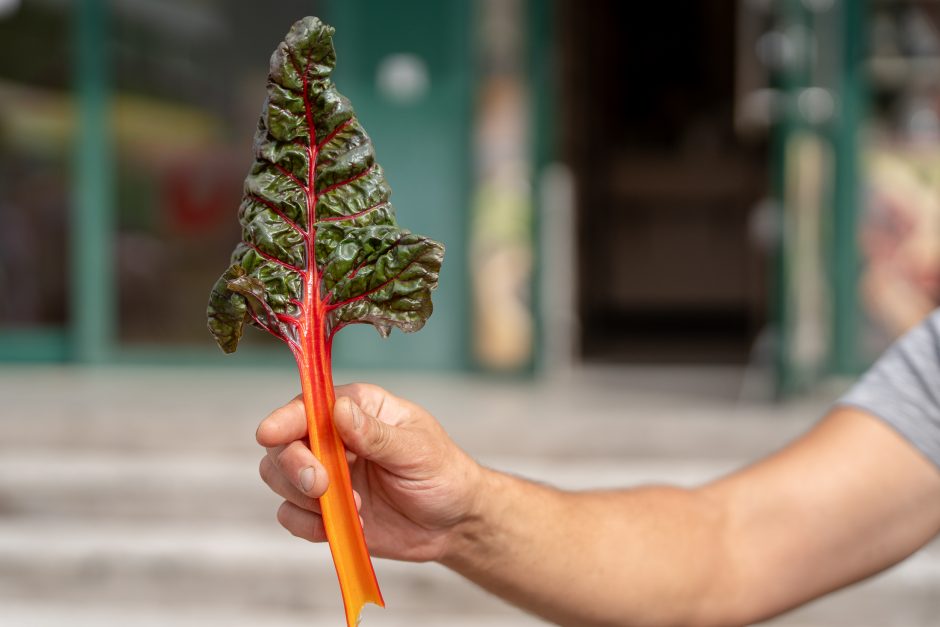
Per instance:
(750,181)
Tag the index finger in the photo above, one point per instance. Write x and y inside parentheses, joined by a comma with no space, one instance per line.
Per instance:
(283,425)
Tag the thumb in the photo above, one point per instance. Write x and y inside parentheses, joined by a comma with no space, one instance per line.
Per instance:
(369,437)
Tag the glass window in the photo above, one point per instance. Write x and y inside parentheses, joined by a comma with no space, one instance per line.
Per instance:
(36,131)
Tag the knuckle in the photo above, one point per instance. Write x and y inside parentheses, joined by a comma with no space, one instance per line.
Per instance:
(281,459)
(356,387)
(380,436)
(308,503)
(288,520)
(295,457)
(364,394)
(296,405)
(266,469)
(273,453)
(345,389)
(283,515)
(285,457)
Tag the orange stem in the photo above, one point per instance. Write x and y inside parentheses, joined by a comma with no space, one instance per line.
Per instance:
(340,518)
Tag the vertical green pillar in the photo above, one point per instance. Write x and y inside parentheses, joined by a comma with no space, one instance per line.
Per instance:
(788,78)
(845,264)
(91,278)
(542,66)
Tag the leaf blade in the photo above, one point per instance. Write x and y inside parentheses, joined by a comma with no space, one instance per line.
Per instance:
(299,221)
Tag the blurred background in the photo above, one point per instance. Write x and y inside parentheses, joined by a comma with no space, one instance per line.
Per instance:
(675,232)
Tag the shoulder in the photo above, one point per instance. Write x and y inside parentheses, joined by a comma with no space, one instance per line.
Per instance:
(903,387)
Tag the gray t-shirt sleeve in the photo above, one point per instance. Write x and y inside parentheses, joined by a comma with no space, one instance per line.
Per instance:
(903,387)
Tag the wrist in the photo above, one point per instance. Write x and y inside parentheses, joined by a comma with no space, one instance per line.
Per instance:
(472,534)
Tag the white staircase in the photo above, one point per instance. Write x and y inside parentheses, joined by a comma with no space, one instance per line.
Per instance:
(131,498)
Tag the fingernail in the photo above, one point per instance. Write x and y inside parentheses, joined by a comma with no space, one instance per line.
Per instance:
(357,416)
(307,476)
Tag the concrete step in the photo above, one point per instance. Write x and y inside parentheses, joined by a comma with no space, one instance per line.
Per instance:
(187,486)
(630,413)
(191,531)
(122,486)
(80,614)
(196,568)
(200,566)
(130,496)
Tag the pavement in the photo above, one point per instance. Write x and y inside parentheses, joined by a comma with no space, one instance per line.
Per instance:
(129,496)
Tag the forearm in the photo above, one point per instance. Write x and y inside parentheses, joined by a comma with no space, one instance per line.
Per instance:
(649,556)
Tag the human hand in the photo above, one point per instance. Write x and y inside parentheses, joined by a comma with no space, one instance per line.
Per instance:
(413,485)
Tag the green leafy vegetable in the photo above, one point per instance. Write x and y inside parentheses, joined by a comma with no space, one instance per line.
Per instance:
(320,250)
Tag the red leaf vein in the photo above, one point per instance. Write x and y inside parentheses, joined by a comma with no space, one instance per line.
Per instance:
(289,175)
(335,132)
(274,259)
(347,181)
(274,208)
(353,216)
(368,293)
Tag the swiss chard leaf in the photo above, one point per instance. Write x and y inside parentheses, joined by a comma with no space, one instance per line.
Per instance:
(317,221)
(320,250)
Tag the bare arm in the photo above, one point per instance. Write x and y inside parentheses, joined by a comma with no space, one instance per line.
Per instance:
(845,501)
(848,499)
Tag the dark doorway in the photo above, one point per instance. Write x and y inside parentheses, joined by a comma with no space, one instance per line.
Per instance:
(665,187)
